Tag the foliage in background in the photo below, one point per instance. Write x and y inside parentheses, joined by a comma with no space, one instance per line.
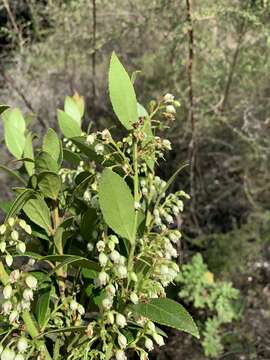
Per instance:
(217,299)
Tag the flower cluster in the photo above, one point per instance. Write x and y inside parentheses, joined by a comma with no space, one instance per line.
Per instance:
(10,237)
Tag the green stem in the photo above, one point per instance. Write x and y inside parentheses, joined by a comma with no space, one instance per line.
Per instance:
(136,200)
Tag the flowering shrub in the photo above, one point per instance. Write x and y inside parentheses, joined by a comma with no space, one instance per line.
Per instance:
(88,245)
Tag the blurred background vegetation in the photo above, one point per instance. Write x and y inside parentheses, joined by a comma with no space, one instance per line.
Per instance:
(213,55)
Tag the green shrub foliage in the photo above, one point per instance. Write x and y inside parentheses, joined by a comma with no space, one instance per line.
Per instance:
(88,247)
(217,300)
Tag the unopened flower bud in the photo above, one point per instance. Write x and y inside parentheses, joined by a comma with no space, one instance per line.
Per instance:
(122,341)
(110,317)
(168,98)
(3,229)
(120,355)
(6,307)
(28,229)
(121,320)
(99,149)
(14,276)
(151,326)
(28,294)
(8,354)
(134,298)
(114,238)
(90,139)
(2,246)
(21,247)
(7,292)
(122,271)
(149,344)
(158,339)
(90,247)
(170,109)
(115,256)
(22,224)
(73,305)
(81,309)
(100,246)
(14,235)
(111,245)
(11,221)
(19,357)
(13,316)
(110,290)
(103,278)
(9,260)
(31,282)
(107,303)
(22,344)
(90,330)
(103,259)
(133,276)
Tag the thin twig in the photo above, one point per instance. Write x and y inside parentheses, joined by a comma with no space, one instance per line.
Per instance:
(94,30)
(193,141)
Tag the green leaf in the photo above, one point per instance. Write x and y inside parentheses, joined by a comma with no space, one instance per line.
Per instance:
(5,206)
(38,212)
(49,184)
(3,108)
(169,183)
(14,128)
(72,260)
(167,312)
(122,94)
(69,127)
(51,145)
(71,157)
(42,306)
(29,153)
(45,162)
(71,108)
(142,111)
(19,202)
(117,204)
(13,173)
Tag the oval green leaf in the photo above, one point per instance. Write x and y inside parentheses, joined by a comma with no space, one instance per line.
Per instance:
(49,184)
(14,128)
(122,93)
(51,145)
(69,127)
(38,212)
(169,313)
(29,153)
(117,204)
